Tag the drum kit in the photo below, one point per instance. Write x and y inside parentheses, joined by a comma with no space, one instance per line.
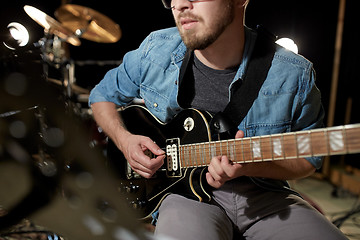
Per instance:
(72,23)
(62,161)
(75,22)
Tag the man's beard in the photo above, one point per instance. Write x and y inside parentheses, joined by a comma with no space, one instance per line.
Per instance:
(199,41)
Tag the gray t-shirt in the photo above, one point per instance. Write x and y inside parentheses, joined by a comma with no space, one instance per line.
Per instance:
(211,87)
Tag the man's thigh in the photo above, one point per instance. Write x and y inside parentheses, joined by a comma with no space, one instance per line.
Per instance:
(301,222)
(182,218)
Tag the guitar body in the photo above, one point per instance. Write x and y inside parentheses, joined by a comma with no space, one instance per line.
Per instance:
(189,150)
(189,126)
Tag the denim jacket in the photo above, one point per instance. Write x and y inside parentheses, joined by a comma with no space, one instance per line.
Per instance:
(288,99)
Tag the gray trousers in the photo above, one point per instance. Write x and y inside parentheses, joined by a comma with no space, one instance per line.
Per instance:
(243,211)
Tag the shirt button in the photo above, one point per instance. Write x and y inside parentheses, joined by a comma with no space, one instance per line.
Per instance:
(155,105)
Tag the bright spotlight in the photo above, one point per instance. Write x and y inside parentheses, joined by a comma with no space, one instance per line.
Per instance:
(288,44)
(19,34)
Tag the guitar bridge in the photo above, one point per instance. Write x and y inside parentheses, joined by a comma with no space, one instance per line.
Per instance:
(173,166)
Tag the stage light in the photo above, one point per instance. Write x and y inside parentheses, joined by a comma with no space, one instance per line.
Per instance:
(19,36)
(288,44)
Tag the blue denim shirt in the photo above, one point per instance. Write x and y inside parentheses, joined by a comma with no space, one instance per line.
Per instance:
(288,99)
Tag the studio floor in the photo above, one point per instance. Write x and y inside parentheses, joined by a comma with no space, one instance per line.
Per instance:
(338,205)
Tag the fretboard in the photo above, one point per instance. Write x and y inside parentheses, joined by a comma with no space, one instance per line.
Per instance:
(318,142)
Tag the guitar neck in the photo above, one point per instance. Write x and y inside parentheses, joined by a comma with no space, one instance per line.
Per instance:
(318,142)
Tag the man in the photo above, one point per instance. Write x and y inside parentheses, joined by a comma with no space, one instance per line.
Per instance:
(250,200)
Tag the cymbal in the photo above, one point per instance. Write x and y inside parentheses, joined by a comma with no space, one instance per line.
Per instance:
(51,25)
(88,23)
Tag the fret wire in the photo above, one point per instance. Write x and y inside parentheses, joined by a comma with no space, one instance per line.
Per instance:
(242,149)
(217,150)
(227,148)
(203,154)
(200,155)
(345,139)
(282,144)
(296,144)
(196,159)
(327,141)
(251,149)
(221,153)
(208,150)
(209,153)
(311,143)
(188,154)
(185,156)
(196,155)
(184,153)
(234,150)
(212,152)
(193,159)
(261,150)
(220,147)
(272,148)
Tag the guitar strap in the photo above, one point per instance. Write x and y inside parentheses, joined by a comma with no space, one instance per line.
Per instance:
(244,95)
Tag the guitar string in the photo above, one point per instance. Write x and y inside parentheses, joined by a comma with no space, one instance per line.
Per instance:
(285,154)
(266,146)
(270,139)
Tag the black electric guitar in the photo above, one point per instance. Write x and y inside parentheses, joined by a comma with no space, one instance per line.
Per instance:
(189,149)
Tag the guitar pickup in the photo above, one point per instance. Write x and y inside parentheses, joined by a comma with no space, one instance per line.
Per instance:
(173,166)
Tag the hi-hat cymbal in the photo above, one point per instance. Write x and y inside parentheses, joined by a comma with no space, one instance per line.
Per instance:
(88,23)
(51,25)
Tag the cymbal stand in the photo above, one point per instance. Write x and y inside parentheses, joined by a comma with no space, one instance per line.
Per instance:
(69,79)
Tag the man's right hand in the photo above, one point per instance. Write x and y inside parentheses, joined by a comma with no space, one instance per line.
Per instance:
(133,148)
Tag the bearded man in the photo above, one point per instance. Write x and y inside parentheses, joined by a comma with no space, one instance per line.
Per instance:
(198,64)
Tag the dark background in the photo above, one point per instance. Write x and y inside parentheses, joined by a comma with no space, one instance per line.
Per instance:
(312,25)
